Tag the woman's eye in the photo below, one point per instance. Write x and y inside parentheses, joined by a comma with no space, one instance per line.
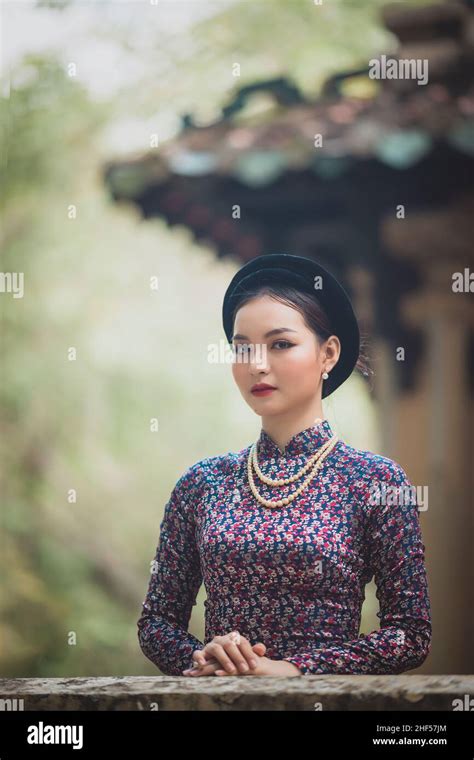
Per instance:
(244,348)
(241,348)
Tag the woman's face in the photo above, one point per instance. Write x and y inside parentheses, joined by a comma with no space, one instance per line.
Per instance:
(290,360)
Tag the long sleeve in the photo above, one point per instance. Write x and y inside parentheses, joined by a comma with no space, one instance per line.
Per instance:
(174,583)
(395,554)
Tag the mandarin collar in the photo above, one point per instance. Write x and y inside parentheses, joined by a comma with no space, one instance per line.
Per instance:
(303,443)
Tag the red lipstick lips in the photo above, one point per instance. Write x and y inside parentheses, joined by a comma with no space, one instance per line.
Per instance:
(262,389)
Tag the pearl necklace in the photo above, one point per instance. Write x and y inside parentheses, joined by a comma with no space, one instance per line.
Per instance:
(322,454)
(286,481)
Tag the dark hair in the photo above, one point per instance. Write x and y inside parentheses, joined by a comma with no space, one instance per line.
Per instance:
(309,307)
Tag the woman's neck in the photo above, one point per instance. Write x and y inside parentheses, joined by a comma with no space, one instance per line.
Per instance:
(282,430)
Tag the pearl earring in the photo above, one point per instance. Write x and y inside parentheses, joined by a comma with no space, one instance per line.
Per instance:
(325,375)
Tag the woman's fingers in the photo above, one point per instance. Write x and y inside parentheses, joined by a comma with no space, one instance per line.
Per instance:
(240,651)
(220,654)
(231,653)
(237,653)
(206,670)
(199,657)
(213,667)
(248,653)
(258,648)
(202,665)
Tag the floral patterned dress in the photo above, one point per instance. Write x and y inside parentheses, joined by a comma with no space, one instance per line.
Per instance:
(292,577)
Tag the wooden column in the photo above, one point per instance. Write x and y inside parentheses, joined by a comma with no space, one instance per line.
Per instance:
(439,416)
(435,419)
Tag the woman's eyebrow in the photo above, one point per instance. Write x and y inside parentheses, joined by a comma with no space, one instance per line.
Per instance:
(275,331)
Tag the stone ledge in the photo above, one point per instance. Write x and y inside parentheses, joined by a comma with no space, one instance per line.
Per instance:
(338,692)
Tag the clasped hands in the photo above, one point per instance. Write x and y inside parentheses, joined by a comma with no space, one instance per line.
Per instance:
(233,655)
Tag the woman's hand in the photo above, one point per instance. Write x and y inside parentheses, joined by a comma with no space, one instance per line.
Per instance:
(265,667)
(213,667)
(268,667)
(231,653)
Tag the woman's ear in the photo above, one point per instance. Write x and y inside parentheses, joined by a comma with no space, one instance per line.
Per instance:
(333,349)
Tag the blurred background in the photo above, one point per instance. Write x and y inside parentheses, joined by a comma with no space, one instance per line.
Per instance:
(150,149)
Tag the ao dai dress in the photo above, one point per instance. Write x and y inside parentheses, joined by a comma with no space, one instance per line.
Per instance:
(292,577)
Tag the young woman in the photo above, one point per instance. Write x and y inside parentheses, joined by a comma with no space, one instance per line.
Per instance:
(286,533)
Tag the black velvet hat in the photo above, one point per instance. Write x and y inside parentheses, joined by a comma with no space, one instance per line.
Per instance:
(300,272)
